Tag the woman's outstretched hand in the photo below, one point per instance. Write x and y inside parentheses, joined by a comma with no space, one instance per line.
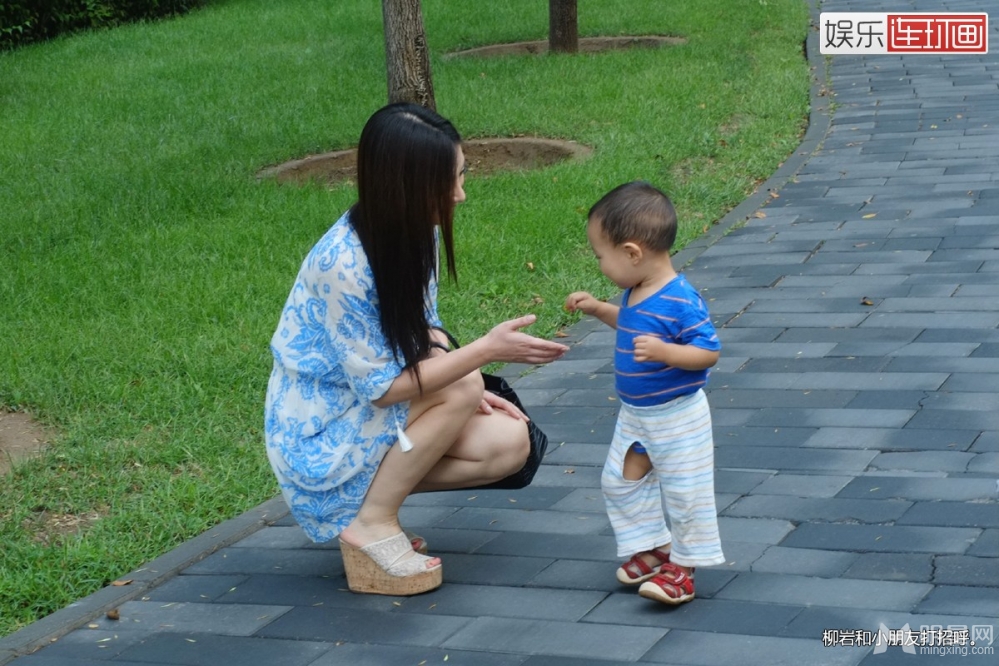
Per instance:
(509,345)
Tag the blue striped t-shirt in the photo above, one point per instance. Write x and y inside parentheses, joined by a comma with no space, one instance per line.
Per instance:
(676,314)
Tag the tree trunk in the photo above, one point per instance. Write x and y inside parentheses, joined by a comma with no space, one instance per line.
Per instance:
(407,58)
(563,26)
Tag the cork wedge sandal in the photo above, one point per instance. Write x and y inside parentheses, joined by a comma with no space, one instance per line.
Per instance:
(389,567)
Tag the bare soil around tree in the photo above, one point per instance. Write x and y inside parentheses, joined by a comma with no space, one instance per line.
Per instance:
(483,156)
(586,45)
(20,437)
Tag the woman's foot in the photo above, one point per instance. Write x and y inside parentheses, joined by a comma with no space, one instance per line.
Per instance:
(673,585)
(419,543)
(389,566)
(642,566)
(360,534)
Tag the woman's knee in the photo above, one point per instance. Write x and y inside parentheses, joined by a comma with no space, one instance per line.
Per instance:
(463,396)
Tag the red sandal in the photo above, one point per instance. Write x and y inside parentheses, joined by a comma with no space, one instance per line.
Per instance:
(635,571)
(671,585)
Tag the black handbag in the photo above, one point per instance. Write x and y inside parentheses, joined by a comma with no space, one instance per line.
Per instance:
(539,440)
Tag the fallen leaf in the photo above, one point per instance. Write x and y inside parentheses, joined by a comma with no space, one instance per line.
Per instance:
(93,626)
(530,265)
(121,583)
(561,334)
(113,614)
(774,195)
(569,471)
(759,214)
(870,215)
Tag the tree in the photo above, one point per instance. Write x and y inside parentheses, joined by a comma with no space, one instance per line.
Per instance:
(407,57)
(563,26)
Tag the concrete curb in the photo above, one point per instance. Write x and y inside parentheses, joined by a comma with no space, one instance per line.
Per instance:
(58,624)
(819,121)
(62,622)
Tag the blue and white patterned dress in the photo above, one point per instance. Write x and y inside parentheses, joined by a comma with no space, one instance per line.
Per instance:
(324,438)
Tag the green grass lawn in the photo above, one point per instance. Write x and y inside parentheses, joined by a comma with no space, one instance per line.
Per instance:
(143,267)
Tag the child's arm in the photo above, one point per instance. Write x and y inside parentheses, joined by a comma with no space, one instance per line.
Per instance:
(587,304)
(685,357)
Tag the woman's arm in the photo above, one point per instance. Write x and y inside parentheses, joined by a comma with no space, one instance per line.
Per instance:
(504,343)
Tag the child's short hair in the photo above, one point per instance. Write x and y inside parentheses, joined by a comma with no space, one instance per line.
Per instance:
(639,213)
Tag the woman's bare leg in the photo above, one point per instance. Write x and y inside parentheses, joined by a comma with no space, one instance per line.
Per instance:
(489,448)
(435,423)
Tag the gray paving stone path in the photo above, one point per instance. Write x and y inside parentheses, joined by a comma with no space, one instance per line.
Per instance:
(856,431)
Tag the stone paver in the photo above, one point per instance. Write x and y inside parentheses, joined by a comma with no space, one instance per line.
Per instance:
(857,441)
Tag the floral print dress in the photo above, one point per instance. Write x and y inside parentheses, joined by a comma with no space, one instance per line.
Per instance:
(325,438)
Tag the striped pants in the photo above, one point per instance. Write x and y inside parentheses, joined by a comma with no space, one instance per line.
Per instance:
(677,437)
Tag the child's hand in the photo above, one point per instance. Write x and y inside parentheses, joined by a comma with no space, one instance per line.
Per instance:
(649,348)
(581,301)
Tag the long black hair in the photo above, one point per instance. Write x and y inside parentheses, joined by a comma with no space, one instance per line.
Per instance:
(406,175)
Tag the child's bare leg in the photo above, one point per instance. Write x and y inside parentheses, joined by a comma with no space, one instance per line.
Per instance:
(635,466)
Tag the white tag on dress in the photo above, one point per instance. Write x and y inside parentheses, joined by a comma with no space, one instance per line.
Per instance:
(405,443)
